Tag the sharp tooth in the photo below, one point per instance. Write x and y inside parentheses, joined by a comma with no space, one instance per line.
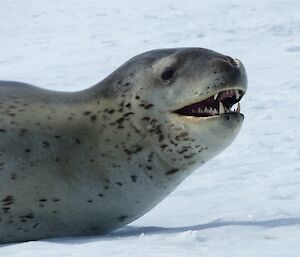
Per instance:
(237,94)
(215,96)
(206,109)
(239,107)
(234,107)
(199,110)
(221,108)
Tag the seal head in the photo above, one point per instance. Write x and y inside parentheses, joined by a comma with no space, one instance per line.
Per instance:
(185,102)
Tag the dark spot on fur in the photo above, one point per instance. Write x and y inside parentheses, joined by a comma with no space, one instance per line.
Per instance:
(128,113)
(122,218)
(119,184)
(90,201)
(94,117)
(146,105)
(172,171)
(134,149)
(27,150)
(163,146)
(119,122)
(182,151)
(137,97)
(78,141)
(134,178)
(27,216)
(2,130)
(6,209)
(181,135)
(23,131)
(35,225)
(8,200)
(86,113)
(110,111)
(100,195)
(46,144)
(150,157)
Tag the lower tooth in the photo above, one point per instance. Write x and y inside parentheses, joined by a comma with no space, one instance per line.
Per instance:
(239,107)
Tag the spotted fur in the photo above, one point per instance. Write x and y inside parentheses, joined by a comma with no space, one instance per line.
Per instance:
(92,161)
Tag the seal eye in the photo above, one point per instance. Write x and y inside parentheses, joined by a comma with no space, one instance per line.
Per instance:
(167,75)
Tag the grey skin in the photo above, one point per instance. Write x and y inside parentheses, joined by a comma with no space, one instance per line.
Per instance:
(89,162)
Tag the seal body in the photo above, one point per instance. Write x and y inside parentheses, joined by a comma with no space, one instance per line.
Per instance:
(88,162)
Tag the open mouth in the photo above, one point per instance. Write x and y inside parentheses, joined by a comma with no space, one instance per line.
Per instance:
(226,101)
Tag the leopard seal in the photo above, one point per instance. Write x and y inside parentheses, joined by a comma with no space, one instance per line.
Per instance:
(91,161)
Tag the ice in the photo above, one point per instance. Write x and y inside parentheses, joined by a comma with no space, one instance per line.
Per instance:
(245,202)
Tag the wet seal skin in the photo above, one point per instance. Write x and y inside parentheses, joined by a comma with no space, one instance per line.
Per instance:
(88,162)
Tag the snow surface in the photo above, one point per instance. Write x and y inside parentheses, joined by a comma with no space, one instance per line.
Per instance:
(245,202)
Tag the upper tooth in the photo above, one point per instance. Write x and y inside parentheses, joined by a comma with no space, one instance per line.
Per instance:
(215,96)
(221,108)
(237,94)
(238,107)
(206,109)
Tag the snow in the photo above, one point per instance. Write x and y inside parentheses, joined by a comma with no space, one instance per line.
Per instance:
(245,202)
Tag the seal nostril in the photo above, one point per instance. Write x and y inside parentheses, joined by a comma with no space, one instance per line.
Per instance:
(231,61)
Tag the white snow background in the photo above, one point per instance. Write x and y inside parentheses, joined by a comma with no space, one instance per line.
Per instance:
(246,201)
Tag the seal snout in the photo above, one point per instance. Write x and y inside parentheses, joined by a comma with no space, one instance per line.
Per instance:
(228,83)
(228,73)
(225,65)
(231,61)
